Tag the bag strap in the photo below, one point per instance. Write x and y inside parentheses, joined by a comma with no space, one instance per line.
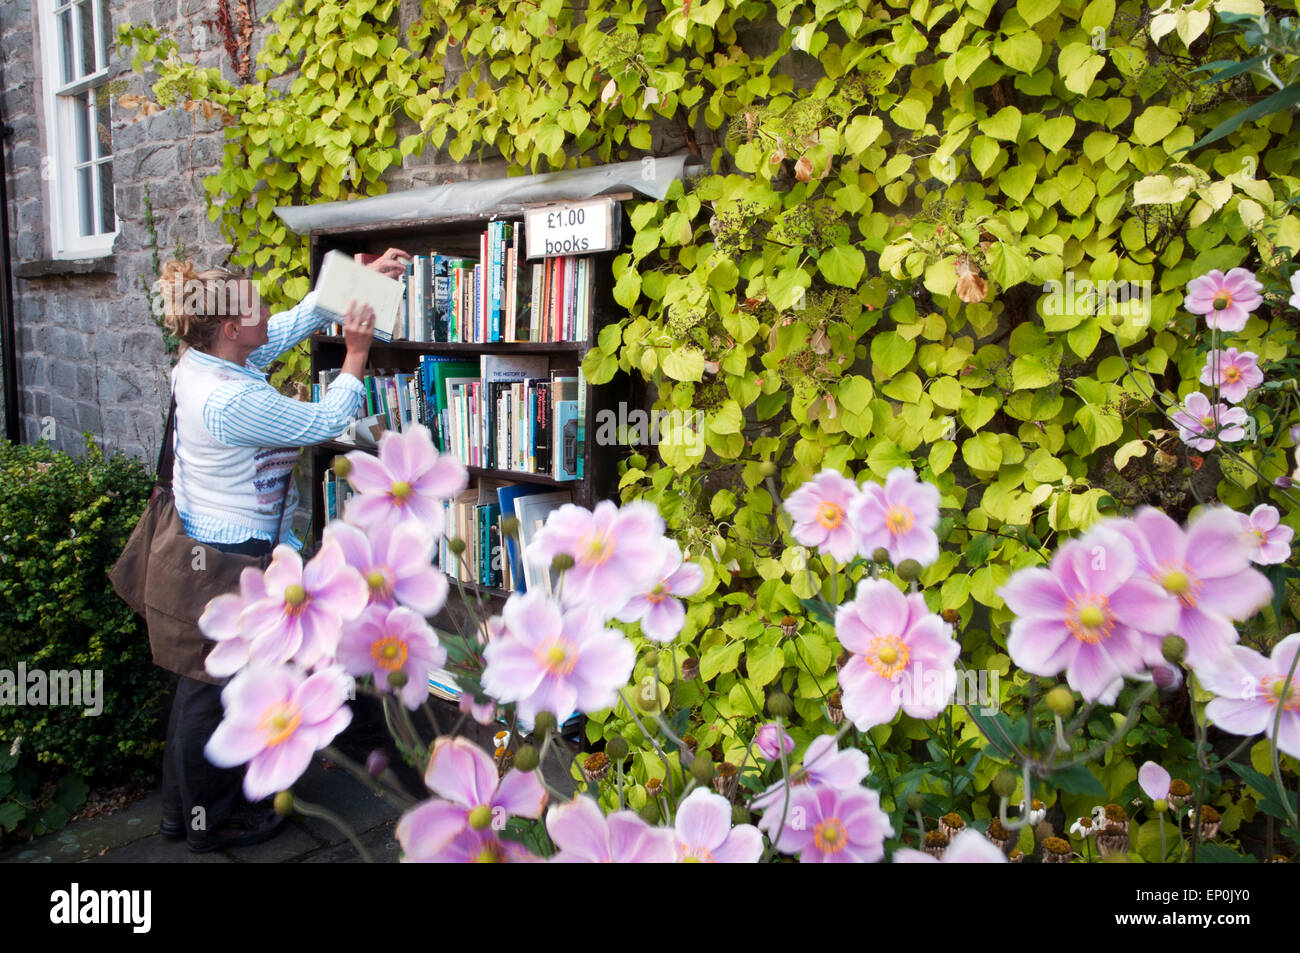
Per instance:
(284,499)
(167,452)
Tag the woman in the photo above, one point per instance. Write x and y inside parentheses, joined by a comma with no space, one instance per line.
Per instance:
(237,440)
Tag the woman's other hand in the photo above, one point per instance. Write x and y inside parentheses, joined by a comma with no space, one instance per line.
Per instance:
(358,332)
(391,263)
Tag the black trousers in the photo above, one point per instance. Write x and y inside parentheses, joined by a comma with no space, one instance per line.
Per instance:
(195,792)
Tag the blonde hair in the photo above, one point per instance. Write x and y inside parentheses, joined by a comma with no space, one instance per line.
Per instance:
(195,303)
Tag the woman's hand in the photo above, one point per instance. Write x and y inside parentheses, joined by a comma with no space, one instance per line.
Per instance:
(358,332)
(391,263)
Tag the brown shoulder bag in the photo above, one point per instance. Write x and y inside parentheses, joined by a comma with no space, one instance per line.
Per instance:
(169,577)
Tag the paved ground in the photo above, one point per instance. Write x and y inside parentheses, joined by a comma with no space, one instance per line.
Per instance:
(131,835)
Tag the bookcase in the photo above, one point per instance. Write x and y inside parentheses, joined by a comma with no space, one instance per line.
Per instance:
(458,236)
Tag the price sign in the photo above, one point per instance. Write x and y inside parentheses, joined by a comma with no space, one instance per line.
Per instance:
(574,228)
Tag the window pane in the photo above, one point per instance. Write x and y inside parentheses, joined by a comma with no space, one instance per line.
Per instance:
(106,219)
(81,117)
(65,45)
(103,124)
(86,17)
(105,32)
(85,200)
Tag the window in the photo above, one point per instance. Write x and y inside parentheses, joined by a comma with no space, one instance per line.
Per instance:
(76,37)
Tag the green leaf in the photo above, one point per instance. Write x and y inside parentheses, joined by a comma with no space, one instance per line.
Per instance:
(1099,426)
(1035,10)
(1283,99)
(683,364)
(1020,51)
(890,353)
(982,452)
(1155,123)
(842,265)
(1076,779)
(1056,132)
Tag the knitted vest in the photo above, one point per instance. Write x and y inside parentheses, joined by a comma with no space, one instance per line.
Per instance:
(212,481)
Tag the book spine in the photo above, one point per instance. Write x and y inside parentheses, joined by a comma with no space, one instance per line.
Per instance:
(495,240)
(535,307)
(582,422)
(543,451)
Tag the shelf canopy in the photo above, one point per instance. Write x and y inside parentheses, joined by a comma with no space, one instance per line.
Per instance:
(650,177)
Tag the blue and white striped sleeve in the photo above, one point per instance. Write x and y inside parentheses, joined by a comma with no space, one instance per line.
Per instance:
(255,414)
(287,328)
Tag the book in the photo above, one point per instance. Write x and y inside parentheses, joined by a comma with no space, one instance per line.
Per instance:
(343,281)
(532,511)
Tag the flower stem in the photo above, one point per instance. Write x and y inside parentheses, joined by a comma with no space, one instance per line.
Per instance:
(315,810)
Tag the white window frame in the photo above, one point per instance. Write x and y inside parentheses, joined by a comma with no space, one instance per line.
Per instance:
(62,112)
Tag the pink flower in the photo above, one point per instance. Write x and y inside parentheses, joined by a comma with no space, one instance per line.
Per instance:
(395,562)
(662,616)
(556,662)
(1207,571)
(903,655)
(384,640)
(1225,300)
(1295,290)
(1235,374)
(482,712)
(1250,686)
(900,517)
(1086,615)
(1267,540)
(824,765)
(303,611)
(968,847)
(1202,426)
(474,800)
(275,720)
(407,481)
(1154,781)
(471,847)
(820,511)
(771,740)
(220,622)
(616,552)
(705,834)
(586,836)
(835,827)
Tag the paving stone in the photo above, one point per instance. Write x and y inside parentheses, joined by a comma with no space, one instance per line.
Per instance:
(380,843)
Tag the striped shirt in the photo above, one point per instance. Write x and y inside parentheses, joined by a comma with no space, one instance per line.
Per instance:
(249,412)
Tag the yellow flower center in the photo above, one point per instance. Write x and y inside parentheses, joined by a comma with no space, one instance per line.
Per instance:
(1271,688)
(595,548)
(830,836)
(400,491)
(1231,374)
(295,599)
(1176,583)
(887,656)
(376,580)
(1207,422)
(389,653)
(490,854)
(1178,580)
(1092,622)
(697,855)
(1222,299)
(279,722)
(557,655)
(480,818)
(658,594)
(830,515)
(899,520)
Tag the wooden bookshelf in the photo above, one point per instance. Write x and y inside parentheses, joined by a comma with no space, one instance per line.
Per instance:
(459,237)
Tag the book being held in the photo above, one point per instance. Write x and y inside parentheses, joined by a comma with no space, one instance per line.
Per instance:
(343,280)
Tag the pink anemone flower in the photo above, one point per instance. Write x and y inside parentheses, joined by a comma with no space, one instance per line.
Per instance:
(408,480)
(1202,426)
(903,655)
(1225,300)
(968,847)
(1250,689)
(1267,539)
(557,662)
(899,517)
(835,827)
(705,834)
(820,511)
(275,720)
(302,614)
(584,835)
(474,800)
(1086,614)
(220,622)
(660,614)
(395,562)
(771,740)
(1207,571)
(1154,781)
(387,639)
(615,552)
(1235,374)
(823,765)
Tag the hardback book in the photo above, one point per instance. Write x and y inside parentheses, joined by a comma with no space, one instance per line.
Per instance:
(342,281)
(532,511)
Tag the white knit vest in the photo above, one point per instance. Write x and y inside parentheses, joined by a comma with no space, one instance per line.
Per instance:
(237,486)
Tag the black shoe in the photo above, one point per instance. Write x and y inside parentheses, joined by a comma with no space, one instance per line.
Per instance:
(236,832)
(171,828)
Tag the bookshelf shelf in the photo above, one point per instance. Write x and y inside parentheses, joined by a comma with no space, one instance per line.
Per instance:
(508,476)
(452,347)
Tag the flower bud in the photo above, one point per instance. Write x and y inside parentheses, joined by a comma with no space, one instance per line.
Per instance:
(342,466)
(908,570)
(456,546)
(284,803)
(915,801)
(637,461)
(376,763)
(702,768)
(510,526)
(1161,805)
(543,723)
(616,748)
(881,555)
(780,705)
(397,679)
(647,699)
(1060,700)
(526,758)
(561,563)
(1004,783)
(480,817)
(766,468)
(1173,648)
(650,812)
(1283,482)
(651,658)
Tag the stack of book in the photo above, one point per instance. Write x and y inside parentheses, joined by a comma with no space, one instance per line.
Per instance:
(495,297)
(335,492)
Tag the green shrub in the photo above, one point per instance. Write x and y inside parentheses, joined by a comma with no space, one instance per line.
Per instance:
(63,522)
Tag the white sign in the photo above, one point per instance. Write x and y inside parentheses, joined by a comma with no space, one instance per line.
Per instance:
(574,228)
